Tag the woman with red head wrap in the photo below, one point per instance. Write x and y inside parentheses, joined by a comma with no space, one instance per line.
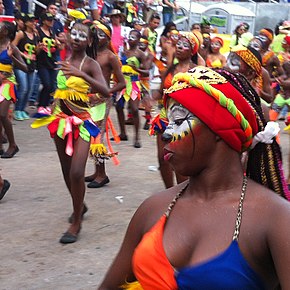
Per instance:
(220,229)
(215,58)
(187,57)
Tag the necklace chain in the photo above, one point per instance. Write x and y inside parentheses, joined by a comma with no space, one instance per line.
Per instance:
(240,208)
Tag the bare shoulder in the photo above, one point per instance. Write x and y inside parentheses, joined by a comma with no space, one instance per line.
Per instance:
(112,56)
(267,202)
(91,65)
(141,54)
(90,61)
(156,205)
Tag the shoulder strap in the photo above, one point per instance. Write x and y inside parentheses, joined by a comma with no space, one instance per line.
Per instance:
(240,210)
(82,62)
(172,204)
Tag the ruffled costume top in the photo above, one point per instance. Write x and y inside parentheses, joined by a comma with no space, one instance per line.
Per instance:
(215,64)
(8,87)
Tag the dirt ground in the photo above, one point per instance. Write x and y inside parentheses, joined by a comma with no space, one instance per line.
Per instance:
(33,214)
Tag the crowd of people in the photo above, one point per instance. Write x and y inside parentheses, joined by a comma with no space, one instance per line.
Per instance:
(216,113)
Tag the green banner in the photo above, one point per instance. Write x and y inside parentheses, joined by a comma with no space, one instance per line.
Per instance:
(218,21)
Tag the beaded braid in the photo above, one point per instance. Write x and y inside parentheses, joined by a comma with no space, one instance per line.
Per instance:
(264,160)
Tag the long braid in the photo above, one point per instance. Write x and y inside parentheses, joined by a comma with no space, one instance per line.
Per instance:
(92,49)
(264,160)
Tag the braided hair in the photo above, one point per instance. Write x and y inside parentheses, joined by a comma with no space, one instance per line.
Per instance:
(264,160)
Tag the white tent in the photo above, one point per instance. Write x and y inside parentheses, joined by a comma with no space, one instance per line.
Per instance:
(226,16)
(195,8)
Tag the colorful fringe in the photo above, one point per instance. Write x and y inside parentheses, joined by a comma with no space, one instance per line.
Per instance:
(98,150)
(8,91)
(132,286)
(68,126)
(72,95)
(133,88)
(158,125)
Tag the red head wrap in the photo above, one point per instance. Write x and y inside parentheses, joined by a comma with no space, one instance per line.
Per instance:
(219,105)
(218,39)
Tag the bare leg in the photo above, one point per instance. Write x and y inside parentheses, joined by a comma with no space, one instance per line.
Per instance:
(121,120)
(136,120)
(288,179)
(148,106)
(1,182)
(74,170)
(7,125)
(164,167)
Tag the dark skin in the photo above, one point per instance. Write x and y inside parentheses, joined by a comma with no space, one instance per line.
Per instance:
(73,167)
(146,100)
(284,82)
(273,65)
(215,54)
(204,48)
(134,104)
(205,216)
(17,61)
(109,64)
(184,64)
(153,24)
(265,92)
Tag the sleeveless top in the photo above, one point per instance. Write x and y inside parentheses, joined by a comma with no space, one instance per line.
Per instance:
(215,64)
(28,47)
(46,58)
(228,270)
(152,39)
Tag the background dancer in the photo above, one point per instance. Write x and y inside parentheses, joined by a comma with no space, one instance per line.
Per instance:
(110,64)
(133,64)
(71,124)
(187,56)
(9,57)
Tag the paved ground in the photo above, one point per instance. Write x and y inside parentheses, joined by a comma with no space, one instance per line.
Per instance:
(34,213)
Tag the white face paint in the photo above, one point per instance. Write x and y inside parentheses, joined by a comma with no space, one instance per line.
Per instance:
(132,37)
(255,44)
(174,37)
(234,62)
(182,44)
(263,38)
(215,45)
(101,34)
(142,45)
(78,35)
(181,121)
